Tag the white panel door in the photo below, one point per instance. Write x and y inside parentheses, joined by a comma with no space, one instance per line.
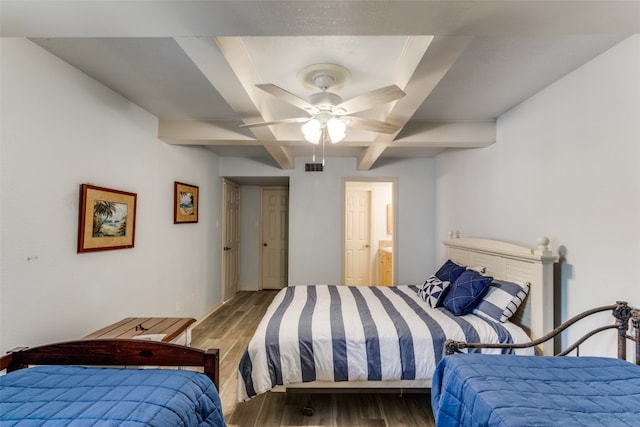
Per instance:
(357,268)
(231,231)
(275,237)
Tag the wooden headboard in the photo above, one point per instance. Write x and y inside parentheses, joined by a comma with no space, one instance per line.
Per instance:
(508,261)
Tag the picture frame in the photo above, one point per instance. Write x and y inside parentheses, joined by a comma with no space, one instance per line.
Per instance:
(185,203)
(107,219)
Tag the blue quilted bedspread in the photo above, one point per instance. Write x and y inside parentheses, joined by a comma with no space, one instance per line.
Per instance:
(505,390)
(78,396)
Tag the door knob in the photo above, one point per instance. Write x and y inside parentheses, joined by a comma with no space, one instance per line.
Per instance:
(226,248)
(265,245)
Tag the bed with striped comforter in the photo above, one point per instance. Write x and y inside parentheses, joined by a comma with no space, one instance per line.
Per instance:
(346,333)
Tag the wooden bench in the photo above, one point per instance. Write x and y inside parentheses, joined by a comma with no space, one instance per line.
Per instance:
(175,329)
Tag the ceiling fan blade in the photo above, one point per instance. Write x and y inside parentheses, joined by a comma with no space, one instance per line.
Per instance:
(370,124)
(287,97)
(276,122)
(370,99)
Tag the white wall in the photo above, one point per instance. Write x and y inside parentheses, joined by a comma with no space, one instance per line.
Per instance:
(566,164)
(60,128)
(315,216)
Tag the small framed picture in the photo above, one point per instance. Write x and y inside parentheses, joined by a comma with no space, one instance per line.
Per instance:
(107,219)
(185,203)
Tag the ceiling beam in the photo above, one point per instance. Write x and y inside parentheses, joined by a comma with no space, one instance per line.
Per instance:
(440,56)
(225,65)
(462,134)
(459,134)
(223,131)
(369,155)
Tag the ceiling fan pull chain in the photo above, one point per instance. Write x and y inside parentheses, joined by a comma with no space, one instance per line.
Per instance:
(324,135)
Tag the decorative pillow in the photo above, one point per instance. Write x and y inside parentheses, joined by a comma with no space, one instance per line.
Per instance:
(502,300)
(465,293)
(433,291)
(449,271)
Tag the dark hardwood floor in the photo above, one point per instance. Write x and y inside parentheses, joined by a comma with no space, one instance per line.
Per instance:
(230,328)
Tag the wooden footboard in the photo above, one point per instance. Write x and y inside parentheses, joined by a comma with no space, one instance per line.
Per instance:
(621,311)
(114,352)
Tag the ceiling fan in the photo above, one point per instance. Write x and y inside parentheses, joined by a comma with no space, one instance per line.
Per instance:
(328,114)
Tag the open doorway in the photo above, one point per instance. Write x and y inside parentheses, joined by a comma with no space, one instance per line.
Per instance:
(368,244)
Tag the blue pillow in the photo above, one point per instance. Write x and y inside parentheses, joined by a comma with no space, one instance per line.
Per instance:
(449,271)
(466,292)
(433,291)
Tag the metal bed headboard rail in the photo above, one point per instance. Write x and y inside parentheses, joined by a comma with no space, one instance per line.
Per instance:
(621,310)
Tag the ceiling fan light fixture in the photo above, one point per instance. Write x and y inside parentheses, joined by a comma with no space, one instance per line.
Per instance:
(312,131)
(337,129)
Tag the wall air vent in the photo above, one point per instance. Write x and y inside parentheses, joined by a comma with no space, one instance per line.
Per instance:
(313,167)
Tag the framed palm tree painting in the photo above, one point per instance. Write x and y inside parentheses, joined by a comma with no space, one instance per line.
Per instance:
(107,219)
(185,203)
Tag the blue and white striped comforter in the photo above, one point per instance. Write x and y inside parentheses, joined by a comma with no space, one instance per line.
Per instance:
(347,333)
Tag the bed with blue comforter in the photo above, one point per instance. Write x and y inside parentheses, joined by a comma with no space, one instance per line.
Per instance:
(507,390)
(72,395)
(331,334)
(67,385)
